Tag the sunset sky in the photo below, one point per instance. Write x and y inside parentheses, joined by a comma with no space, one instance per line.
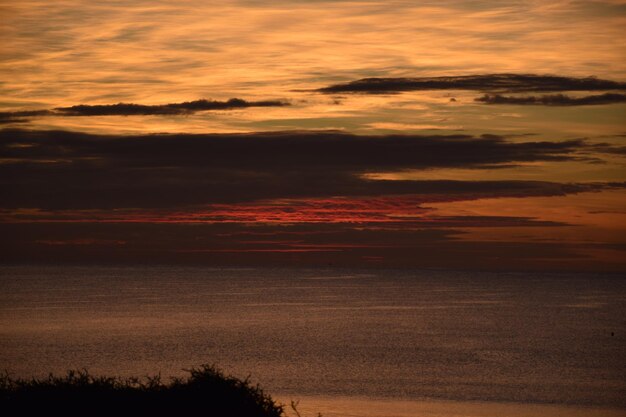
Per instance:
(459,134)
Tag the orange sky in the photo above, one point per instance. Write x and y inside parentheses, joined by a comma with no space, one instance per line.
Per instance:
(364,204)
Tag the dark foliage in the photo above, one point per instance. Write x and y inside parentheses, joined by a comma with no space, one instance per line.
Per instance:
(206,391)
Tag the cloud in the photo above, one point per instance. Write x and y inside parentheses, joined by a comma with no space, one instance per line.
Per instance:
(389,212)
(609,148)
(484,82)
(554,100)
(187,107)
(22,116)
(305,244)
(131,109)
(69,170)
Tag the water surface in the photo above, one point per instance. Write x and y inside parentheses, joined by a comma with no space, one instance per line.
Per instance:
(333,333)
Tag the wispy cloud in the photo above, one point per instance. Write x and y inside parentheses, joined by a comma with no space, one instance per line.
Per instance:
(553,100)
(73,51)
(132,109)
(187,107)
(482,82)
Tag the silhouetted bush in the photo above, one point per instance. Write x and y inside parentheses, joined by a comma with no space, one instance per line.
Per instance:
(207,391)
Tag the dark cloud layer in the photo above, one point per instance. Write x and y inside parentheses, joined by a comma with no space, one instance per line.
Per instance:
(67,170)
(131,109)
(485,82)
(554,100)
(302,244)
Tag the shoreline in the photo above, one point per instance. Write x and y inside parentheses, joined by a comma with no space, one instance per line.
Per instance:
(343,406)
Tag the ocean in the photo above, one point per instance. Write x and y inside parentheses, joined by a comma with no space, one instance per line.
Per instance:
(353,334)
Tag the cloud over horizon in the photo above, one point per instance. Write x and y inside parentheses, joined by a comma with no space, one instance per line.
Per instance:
(276,245)
(57,169)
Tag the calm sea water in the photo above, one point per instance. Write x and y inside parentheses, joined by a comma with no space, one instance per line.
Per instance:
(513,337)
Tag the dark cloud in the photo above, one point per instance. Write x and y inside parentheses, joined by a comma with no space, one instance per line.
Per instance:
(68,170)
(131,109)
(486,82)
(22,116)
(389,212)
(609,148)
(301,244)
(283,151)
(554,100)
(187,107)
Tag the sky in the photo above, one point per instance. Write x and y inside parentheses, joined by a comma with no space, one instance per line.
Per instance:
(430,134)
